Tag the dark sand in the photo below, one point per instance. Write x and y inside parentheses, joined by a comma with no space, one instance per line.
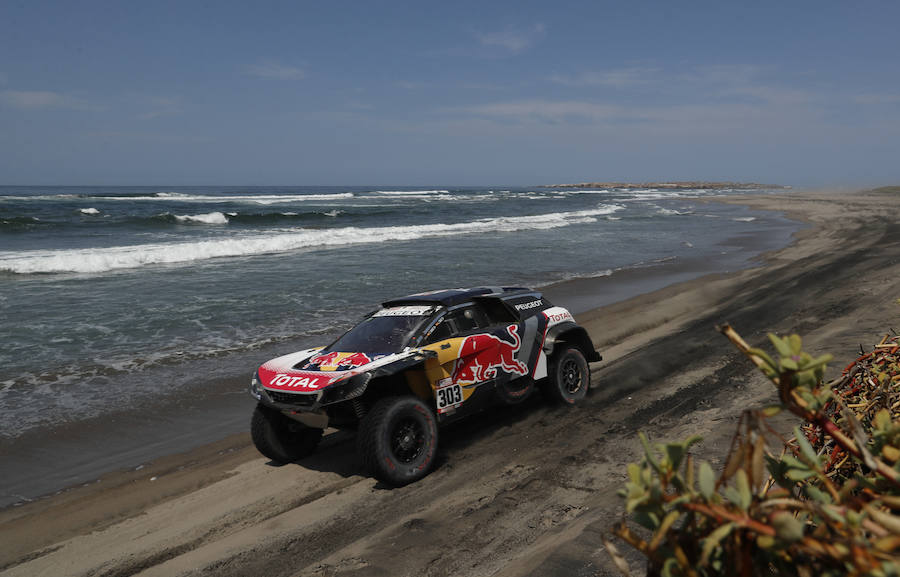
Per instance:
(519,491)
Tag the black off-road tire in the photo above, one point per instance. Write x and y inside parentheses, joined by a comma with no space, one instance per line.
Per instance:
(568,377)
(280,438)
(397,440)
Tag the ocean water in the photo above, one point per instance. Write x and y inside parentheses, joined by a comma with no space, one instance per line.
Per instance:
(114,297)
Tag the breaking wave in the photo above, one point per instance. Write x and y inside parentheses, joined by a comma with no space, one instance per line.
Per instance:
(582,191)
(673,212)
(210,218)
(168,219)
(98,260)
(264,199)
(411,192)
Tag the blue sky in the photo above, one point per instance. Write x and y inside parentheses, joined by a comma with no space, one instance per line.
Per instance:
(295,93)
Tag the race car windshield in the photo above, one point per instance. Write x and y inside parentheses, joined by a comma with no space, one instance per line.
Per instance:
(386,331)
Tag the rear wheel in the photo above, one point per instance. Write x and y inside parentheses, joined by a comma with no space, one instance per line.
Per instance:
(398,439)
(280,438)
(568,377)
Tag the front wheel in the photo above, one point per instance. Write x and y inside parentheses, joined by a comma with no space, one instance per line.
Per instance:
(569,377)
(398,439)
(280,438)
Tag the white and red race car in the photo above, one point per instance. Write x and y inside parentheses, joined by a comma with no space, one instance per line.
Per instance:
(416,362)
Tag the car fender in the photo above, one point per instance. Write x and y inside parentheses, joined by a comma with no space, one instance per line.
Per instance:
(572,333)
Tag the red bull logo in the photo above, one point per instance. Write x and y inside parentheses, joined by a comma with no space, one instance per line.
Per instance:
(332,361)
(482,356)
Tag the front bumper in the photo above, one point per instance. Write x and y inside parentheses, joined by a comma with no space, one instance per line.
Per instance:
(311,402)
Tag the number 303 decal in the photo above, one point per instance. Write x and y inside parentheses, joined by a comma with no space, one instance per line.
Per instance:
(449,396)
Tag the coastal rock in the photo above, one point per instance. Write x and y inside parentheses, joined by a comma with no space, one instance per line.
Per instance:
(678,185)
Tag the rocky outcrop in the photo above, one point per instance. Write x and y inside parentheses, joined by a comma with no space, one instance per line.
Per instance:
(690,184)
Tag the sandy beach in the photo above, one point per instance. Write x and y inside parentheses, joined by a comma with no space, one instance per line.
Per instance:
(528,490)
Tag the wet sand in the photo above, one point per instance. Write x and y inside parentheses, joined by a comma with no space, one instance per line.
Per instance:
(523,490)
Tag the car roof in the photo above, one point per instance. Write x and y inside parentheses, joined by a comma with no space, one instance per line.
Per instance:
(452,297)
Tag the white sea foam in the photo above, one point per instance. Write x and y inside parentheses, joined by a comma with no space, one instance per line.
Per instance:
(209,218)
(88,211)
(411,192)
(98,260)
(424,195)
(333,213)
(235,198)
(744,219)
(673,212)
(571,192)
(596,274)
(611,271)
(654,194)
(465,197)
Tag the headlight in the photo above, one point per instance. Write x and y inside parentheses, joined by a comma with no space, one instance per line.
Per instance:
(256,387)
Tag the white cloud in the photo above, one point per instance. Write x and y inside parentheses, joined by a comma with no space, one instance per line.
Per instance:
(745,82)
(616,78)
(120,137)
(41,100)
(275,70)
(877,98)
(738,83)
(411,85)
(726,74)
(160,106)
(703,100)
(511,40)
(553,111)
(694,117)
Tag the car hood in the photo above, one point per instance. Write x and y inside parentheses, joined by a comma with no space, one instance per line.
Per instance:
(312,370)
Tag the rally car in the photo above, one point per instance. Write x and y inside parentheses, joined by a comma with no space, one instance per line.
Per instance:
(414,363)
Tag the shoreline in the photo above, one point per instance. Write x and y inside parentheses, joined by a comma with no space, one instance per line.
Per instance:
(47,461)
(539,510)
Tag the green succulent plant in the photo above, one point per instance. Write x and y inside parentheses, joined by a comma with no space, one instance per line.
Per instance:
(826,503)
